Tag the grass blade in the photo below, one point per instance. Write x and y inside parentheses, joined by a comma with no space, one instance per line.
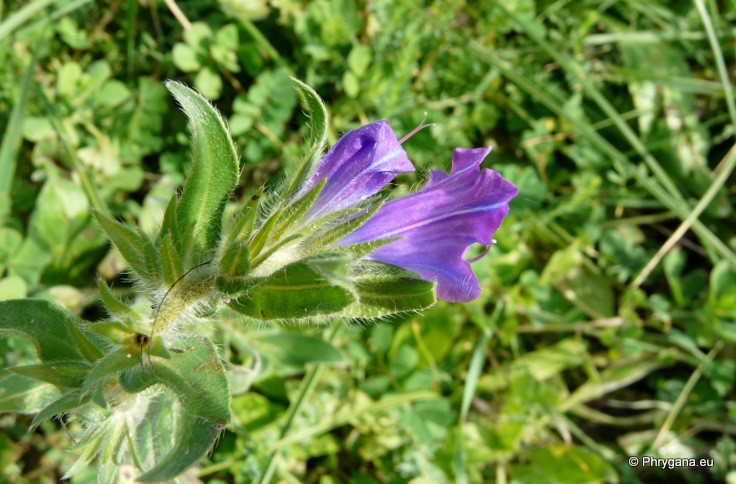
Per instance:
(12,138)
(708,196)
(718,55)
(305,391)
(19,17)
(554,103)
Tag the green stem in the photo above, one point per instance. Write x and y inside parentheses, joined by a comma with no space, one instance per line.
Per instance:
(718,55)
(728,166)
(683,396)
(12,138)
(471,382)
(263,42)
(305,391)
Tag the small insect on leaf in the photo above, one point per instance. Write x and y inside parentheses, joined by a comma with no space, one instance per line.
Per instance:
(141,339)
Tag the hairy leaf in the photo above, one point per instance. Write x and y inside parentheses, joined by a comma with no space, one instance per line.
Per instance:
(214,172)
(198,378)
(18,394)
(196,375)
(114,306)
(303,289)
(68,402)
(171,264)
(45,323)
(62,374)
(133,246)
(315,109)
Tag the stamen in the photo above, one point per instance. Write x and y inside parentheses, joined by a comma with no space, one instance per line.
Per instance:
(417,129)
(488,247)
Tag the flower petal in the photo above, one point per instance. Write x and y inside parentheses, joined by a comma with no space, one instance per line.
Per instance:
(358,166)
(440,222)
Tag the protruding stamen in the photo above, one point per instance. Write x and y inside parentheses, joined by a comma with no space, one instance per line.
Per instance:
(485,252)
(417,129)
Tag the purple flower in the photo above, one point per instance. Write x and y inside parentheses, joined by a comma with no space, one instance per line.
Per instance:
(356,167)
(440,222)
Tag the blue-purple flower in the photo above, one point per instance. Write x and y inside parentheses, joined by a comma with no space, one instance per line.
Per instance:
(357,167)
(437,224)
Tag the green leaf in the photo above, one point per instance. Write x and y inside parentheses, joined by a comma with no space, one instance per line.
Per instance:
(171,263)
(67,402)
(673,264)
(198,378)
(71,34)
(723,286)
(112,93)
(319,124)
(29,261)
(236,285)
(359,59)
(10,241)
(151,258)
(214,172)
(234,266)
(224,49)
(115,307)
(381,295)
(185,57)
(88,451)
(114,437)
(196,375)
(13,287)
(11,22)
(45,323)
(303,289)
(194,439)
(612,379)
(63,374)
(19,394)
(403,362)
(61,213)
(267,107)
(274,248)
(129,354)
(209,82)
(350,84)
(117,360)
(198,35)
(296,349)
(135,247)
(580,466)
(86,342)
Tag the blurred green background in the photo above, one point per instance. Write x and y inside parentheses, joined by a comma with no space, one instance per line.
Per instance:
(604,330)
